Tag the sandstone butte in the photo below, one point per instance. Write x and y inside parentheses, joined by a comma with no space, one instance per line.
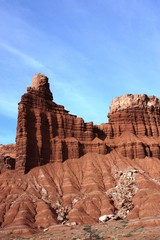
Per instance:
(64,170)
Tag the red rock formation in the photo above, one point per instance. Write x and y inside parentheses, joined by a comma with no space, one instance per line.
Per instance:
(88,170)
(133,127)
(138,114)
(7,157)
(46,132)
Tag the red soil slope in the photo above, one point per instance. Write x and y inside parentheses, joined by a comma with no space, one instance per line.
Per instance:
(77,172)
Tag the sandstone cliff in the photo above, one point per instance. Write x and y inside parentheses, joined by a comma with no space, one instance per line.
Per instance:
(134,126)
(46,132)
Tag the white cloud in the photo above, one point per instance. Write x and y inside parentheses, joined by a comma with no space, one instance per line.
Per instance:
(27,59)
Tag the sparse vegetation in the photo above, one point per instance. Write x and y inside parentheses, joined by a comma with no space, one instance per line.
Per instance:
(91,234)
(128,235)
(138,229)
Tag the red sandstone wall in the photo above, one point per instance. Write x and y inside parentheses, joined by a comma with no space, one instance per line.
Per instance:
(46,132)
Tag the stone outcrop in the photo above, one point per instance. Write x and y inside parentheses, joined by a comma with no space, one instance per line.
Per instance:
(138,114)
(47,132)
(134,126)
(7,157)
(129,101)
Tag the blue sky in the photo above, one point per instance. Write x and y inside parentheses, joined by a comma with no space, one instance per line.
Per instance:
(91,50)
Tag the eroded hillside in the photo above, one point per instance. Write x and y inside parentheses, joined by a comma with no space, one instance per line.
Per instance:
(63,171)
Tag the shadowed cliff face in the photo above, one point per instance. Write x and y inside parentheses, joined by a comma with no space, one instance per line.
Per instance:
(77,171)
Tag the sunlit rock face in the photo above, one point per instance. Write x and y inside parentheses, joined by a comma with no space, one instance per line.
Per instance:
(133,126)
(39,81)
(137,113)
(129,101)
(136,120)
(47,132)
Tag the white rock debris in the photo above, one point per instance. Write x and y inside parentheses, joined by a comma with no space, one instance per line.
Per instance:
(121,195)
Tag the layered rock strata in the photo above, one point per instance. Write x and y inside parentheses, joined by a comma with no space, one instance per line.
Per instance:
(138,114)
(134,126)
(79,191)
(47,132)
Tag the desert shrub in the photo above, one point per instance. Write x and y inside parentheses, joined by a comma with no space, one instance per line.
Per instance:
(91,234)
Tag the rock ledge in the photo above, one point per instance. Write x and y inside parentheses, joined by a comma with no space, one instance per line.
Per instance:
(129,101)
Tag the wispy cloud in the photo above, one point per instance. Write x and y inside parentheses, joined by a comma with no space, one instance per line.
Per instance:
(8,105)
(27,59)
